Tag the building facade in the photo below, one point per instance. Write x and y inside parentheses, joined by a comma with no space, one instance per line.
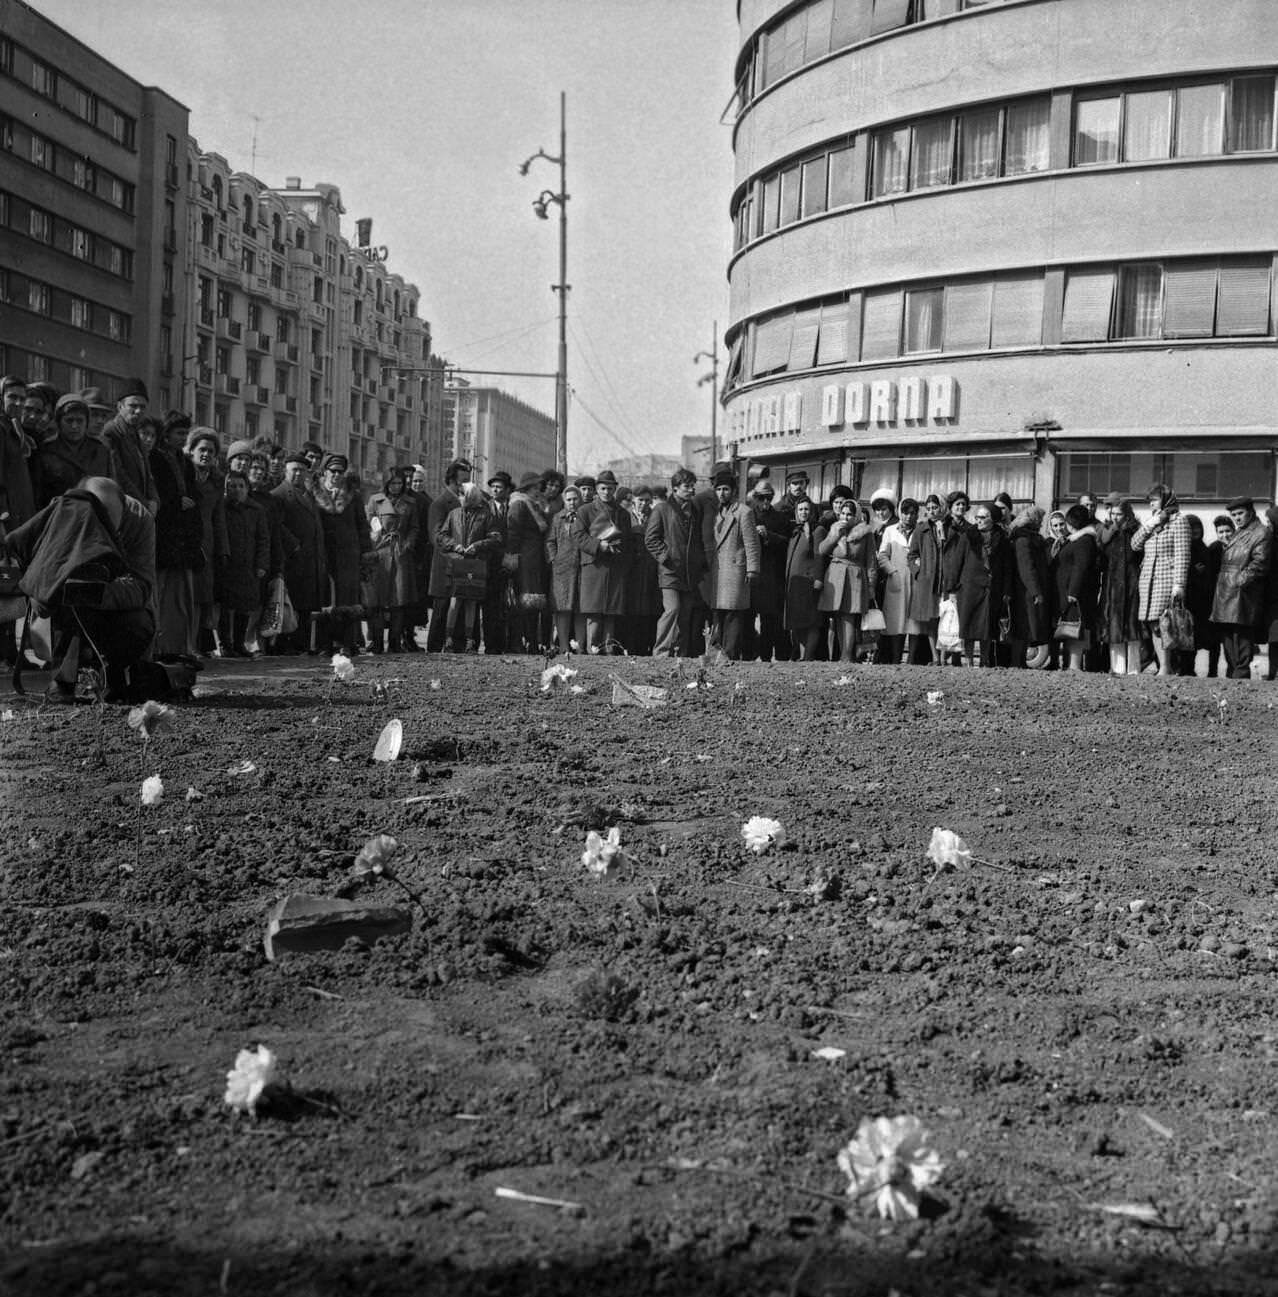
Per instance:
(495,431)
(92,191)
(1018,244)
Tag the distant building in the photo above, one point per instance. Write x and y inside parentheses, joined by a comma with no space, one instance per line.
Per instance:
(1015,244)
(699,457)
(92,235)
(643,470)
(496,431)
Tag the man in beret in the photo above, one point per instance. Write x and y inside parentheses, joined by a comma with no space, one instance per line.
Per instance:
(132,466)
(1240,588)
(70,454)
(586,485)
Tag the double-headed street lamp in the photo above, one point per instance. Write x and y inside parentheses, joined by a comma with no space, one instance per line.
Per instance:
(541,208)
(713,379)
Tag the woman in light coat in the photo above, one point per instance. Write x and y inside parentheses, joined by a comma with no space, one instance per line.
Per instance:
(847,545)
(392,583)
(1165,542)
(898,582)
(563,554)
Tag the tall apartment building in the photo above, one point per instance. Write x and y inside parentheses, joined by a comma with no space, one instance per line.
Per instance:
(1020,244)
(92,190)
(495,431)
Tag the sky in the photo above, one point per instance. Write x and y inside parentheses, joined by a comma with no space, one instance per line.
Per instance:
(421,111)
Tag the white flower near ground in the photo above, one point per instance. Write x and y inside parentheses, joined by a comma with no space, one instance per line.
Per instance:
(254,1070)
(150,719)
(343,668)
(193,794)
(760,833)
(578,689)
(935,697)
(890,1163)
(375,855)
(602,853)
(556,675)
(152,790)
(947,848)
(245,767)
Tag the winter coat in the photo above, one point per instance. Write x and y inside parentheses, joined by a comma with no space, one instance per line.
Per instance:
(804,575)
(1119,622)
(59,464)
(274,512)
(423,543)
(673,537)
(302,537)
(850,568)
(17,492)
(925,564)
(464,529)
(897,580)
(735,563)
(1240,587)
(563,554)
(1165,563)
(179,532)
(768,595)
(966,579)
(980,603)
(603,571)
(248,534)
(436,515)
(211,504)
(1269,619)
(346,541)
(1078,578)
(1028,586)
(392,524)
(643,591)
(132,467)
(526,529)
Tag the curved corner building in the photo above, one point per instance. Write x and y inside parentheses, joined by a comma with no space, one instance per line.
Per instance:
(1017,244)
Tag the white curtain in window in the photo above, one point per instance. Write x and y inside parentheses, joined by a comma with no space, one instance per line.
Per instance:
(978,144)
(1200,121)
(923,320)
(967,316)
(1243,309)
(832,343)
(1089,298)
(891,161)
(881,327)
(1140,301)
(987,475)
(1028,138)
(933,154)
(1018,312)
(772,345)
(841,189)
(1189,300)
(1096,131)
(1251,114)
(1147,126)
(923,477)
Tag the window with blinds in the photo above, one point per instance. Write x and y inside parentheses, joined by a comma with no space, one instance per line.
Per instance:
(772,345)
(881,325)
(1089,301)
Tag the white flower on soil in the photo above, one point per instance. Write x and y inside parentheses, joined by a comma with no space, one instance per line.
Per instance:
(375,856)
(254,1070)
(890,1164)
(947,848)
(602,853)
(556,675)
(760,833)
(152,790)
(150,719)
(343,668)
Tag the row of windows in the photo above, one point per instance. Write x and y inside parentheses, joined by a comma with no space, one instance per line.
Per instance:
(17,138)
(1181,299)
(44,227)
(822,27)
(18,62)
(58,304)
(1191,120)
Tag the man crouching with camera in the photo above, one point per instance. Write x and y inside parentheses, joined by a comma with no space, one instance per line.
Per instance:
(89,559)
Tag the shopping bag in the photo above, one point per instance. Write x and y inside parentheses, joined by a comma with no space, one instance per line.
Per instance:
(1176,627)
(1070,624)
(948,638)
(278,616)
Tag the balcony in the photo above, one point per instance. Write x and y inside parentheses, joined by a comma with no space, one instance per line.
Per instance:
(230,330)
(226,385)
(317,362)
(286,351)
(290,404)
(315,310)
(208,257)
(256,340)
(255,395)
(370,386)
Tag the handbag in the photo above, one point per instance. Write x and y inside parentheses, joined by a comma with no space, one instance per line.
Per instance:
(1176,627)
(948,637)
(1070,625)
(872,619)
(467,577)
(278,617)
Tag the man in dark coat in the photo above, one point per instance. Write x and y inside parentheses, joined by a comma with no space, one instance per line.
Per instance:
(500,485)
(305,560)
(768,642)
(70,454)
(17,493)
(1240,587)
(132,467)
(456,476)
(673,537)
(602,529)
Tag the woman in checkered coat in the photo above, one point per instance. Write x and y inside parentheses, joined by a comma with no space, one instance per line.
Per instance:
(1164,540)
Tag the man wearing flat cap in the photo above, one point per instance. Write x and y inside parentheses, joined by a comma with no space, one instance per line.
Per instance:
(524,560)
(602,530)
(70,454)
(456,475)
(586,485)
(132,466)
(734,564)
(1240,587)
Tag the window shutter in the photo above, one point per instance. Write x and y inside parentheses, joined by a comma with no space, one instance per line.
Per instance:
(1089,299)
(881,327)
(1018,312)
(772,345)
(967,316)
(803,344)
(832,346)
(1189,304)
(1244,300)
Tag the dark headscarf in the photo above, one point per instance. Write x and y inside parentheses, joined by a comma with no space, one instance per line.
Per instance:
(1167,501)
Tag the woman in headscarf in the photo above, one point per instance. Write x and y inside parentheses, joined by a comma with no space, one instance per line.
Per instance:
(898,582)
(1078,584)
(1164,541)
(1029,585)
(804,577)
(1057,535)
(471,531)
(847,545)
(346,541)
(1119,624)
(202,449)
(563,553)
(392,584)
(925,566)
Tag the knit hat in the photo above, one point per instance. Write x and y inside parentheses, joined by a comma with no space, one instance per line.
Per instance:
(132,387)
(199,434)
(883,495)
(243,447)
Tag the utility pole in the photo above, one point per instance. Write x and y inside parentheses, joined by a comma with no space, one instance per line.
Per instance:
(713,379)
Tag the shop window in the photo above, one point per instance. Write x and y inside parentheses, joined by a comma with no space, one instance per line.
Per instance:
(1096,472)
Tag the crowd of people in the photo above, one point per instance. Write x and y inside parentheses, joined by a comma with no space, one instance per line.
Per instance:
(254,550)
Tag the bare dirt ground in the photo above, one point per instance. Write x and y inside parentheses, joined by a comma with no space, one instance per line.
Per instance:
(1086,1022)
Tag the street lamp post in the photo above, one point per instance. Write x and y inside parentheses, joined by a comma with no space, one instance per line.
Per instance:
(541,209)
(713,379)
